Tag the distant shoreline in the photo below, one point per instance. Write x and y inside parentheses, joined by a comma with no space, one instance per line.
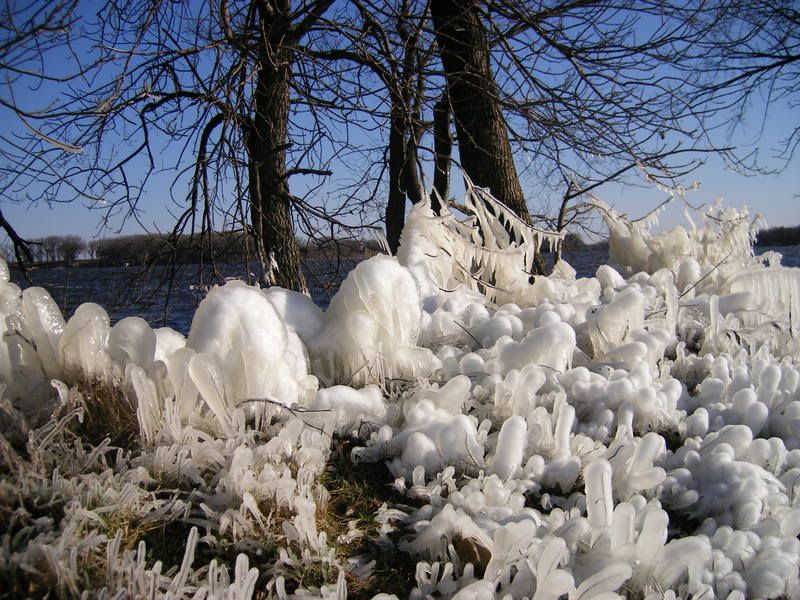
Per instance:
(359,250)
(100,263)
(779,236)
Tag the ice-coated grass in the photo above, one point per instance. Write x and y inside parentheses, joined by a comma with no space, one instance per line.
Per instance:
(448,429)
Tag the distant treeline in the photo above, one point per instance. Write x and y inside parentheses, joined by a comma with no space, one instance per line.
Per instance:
(183,249)
(779,236)
(161,249)
(573,243)
(53,248)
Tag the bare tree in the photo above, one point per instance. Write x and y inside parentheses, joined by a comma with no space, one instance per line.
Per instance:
(50,246)
(206,91)
(483,142)
(390,47)
(69,247)
(92,247)
(754,57)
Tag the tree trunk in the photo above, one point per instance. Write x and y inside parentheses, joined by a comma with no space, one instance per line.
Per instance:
(411,183)
(442,148)
(403,175)
(480,127)
(396,205)
(270,203)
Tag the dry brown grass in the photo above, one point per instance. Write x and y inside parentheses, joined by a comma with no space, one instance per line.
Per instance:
(108,413)
(357,491)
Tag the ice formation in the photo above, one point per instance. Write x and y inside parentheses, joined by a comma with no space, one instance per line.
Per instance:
(371,327)
(633,434)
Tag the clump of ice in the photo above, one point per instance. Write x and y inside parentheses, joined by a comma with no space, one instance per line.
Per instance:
(258,355)
(371,327)
(82,345)
(132,341)
(348,408)
(550,346)
(433,438)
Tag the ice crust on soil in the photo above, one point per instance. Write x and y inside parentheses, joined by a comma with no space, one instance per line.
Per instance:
(633,434)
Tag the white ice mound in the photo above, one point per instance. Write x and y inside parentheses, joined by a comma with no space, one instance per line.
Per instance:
(611,325)
(298,311)
(433,438)
(722,287)
(258,355)
(510,447)
(778,289)
(372,327)
(30,324)
(82,345)
(550,346)
(167,341)
(131,340)
(43,325)
(349,408)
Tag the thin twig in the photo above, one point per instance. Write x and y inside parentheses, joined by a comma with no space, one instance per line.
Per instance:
(468,332)
(696,283)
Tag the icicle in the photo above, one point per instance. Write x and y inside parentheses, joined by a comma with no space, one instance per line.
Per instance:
(188,558)
(607,580)
(599,502)
(510,447)
(206,375)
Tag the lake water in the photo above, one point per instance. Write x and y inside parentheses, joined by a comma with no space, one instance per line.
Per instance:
(125,292)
